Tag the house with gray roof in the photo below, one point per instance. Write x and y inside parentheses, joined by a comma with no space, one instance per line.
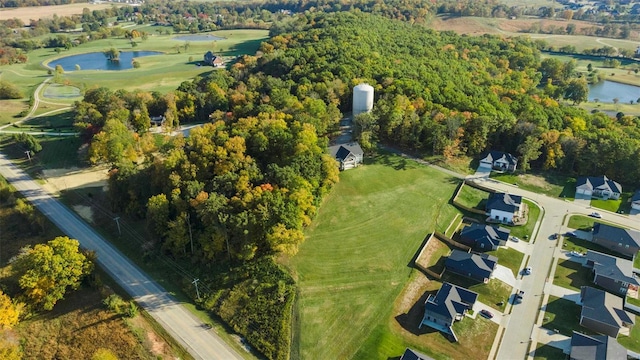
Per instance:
(483,237)
(475,266)
(612,273)
(635,200)
(595,347)
(599,187)
(622,241)
(448,305)
(410,354)
(213,60)
(505,208)
(604,313)
(499,160)
(348,155)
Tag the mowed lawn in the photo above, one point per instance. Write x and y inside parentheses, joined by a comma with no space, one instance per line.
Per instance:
(355,260)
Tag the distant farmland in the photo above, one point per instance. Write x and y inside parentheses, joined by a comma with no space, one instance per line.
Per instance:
(40,12)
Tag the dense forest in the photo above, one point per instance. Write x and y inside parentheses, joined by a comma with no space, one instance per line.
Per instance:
(241,189)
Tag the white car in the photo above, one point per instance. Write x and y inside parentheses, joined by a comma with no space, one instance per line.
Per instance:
(595,215)
(514,239)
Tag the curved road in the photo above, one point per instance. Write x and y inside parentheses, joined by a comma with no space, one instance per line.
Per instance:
(173,317)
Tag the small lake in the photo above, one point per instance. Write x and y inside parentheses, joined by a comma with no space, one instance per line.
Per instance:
(606,91)
(98,61)
(200,37)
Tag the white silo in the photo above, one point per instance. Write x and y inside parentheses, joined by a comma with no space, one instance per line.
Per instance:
(362,98)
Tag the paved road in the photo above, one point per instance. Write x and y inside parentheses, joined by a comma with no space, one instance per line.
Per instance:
(173,317)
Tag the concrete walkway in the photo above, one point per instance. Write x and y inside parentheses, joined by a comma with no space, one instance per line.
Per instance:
(505,275)
(521,246)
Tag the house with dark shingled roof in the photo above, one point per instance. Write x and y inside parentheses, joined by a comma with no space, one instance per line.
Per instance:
(622,241)
(475,266)
(448,305)
(499,160)
(483,237)
(595,347)
(612,273)
(598,187)
(604,313)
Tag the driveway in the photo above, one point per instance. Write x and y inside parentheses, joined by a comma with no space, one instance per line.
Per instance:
(505,275)
(522,246)
(567,294)
(551,338)
(497,315)
(482,172)
(584,200)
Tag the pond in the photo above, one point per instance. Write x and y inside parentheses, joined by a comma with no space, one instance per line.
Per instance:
(606,91)
(98,61)
(200,37)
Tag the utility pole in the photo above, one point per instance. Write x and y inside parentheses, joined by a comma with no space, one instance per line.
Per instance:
(195,282)
(117,218)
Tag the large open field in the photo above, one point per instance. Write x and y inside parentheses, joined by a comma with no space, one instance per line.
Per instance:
(40,12)
(355,260)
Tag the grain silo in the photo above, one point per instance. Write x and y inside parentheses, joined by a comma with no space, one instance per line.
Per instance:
(362,98)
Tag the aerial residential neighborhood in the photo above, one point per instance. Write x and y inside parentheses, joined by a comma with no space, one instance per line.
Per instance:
(319,179)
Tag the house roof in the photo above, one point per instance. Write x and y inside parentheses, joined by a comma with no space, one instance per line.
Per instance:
(495,155)
(636,196)
(465,262)
(603,307)
(612,267)
(410,354)
(479,232)
(616,234)
(601,183)
(342,151)
(596,347)
(450,300)
(504,202)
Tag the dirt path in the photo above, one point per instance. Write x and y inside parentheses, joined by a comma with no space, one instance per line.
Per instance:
(74,178)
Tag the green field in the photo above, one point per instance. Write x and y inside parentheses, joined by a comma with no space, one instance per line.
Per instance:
(509,257)
(631,342)
(472,197)
(354,262)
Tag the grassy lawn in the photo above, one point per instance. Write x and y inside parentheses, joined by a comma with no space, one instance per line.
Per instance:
(509,257)
(563,315)
(572,275)
(633,301)
(490,294)
(472,197)
(621,205)
(555,185)
(546,352)
(636,262)
(56,152)
(631,342)
(525,232)
(354,262)
(581,246)
(582,222)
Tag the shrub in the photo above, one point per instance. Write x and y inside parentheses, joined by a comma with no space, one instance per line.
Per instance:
(9,91)
(136,64)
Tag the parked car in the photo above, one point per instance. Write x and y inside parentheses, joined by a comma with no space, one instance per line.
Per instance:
(514,239)
(571,233)
(518,297)
(576,254)
(527,270)
(486,313)
(595,215)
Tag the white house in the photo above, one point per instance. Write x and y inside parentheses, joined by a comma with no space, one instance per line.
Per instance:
(348,155)
(504,207)
(500,161)
(598,187)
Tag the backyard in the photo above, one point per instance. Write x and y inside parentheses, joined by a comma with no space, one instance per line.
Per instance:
(472,197)
(490,294)
(434,255)
(632,342)
(564,316)
(355,260)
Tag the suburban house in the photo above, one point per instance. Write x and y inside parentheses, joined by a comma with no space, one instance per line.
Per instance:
(499,160)
(475,266)
(604,313)
(598,187)
(483,237)
(348,155)
(157,120)
(449,304)
(595,347)
(612,273)
(635,200)
(623,241)
(213,60)
(410,354)
(505,208)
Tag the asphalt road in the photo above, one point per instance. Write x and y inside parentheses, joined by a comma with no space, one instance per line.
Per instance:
(183,326)
(515,343)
